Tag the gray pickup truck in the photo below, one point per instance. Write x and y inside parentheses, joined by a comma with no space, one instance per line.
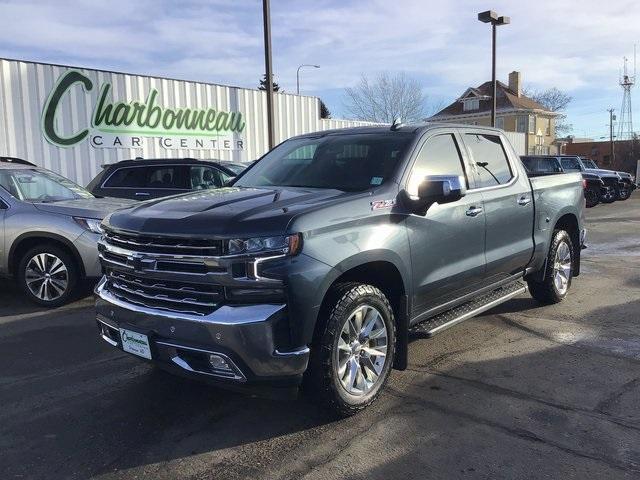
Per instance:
(317,262)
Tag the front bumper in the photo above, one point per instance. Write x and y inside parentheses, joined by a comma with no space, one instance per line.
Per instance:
(182,343)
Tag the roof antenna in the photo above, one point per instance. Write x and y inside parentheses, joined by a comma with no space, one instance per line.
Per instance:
(397,123)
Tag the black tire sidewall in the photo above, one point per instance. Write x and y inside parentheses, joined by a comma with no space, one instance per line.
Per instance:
(561,236)
(65,257)
(387,316)
(323,376)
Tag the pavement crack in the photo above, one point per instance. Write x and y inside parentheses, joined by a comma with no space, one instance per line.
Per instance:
(596,413)
(518,432)
(575,346)
(611,400)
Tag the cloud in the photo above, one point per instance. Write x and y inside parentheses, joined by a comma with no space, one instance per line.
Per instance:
(558,43)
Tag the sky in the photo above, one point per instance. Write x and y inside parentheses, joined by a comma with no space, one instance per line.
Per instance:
(576,46)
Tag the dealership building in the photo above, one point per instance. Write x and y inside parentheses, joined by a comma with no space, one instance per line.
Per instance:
(73,120)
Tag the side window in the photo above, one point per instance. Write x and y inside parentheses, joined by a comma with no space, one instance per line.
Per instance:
(202,178)
(438,156)
(490,158)
(134,177)
(572,164)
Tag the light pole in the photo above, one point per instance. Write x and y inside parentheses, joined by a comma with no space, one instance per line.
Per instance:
(492,17)
(266,17)
(298,75)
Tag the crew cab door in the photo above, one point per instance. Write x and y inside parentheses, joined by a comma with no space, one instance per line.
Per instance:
(508,203)
(447,243)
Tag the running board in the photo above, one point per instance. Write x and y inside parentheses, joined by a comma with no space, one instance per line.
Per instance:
(463,312)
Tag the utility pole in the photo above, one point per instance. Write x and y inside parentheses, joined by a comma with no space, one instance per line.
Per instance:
(266,16)
(612,154)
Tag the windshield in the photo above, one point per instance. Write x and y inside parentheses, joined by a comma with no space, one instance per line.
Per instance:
(341,162)
(589,163)
(40,186)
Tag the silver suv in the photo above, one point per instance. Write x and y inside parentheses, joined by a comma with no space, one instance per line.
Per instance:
(49,228)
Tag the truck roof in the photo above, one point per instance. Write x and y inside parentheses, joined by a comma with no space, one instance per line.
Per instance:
(410,128)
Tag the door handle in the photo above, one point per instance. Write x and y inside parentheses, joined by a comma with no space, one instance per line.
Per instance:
(524,200)
(142,194)
(473,211)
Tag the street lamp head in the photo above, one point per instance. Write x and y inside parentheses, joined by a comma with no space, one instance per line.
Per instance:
(492,17)
(315,66)
(488,17)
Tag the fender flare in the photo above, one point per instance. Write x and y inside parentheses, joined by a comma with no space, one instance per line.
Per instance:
(44,236)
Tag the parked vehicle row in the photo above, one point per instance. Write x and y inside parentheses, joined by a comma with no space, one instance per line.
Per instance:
(600,185)
(315,263)
(50,226)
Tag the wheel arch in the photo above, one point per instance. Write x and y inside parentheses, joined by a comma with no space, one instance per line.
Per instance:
(383,270)
(28,240)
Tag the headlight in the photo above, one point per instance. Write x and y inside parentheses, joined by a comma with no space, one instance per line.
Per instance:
(91,224)
(285,245)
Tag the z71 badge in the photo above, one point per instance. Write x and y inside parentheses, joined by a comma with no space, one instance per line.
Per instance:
(378,204)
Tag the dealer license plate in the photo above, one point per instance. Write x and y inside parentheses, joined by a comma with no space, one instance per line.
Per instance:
(136,343)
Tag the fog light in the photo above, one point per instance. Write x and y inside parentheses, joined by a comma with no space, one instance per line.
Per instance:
(219,363)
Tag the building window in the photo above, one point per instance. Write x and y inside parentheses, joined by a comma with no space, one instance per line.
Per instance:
(532,124)
(500,122)
(470,104)
(548,126)
(521,124)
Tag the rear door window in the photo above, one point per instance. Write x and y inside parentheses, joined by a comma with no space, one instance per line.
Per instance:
(133,177)
(164,177)
(490,158)
(203,178)
(571,164)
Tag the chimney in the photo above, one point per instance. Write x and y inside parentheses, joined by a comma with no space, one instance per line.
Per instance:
(515,83)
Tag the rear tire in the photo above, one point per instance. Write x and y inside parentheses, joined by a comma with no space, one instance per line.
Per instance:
(353,354)
(48,275)
(558,272)
(592,197)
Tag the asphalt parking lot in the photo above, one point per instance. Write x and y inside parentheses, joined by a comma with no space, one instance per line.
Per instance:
(523,391)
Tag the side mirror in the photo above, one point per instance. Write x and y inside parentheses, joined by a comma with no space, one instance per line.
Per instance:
(441,189)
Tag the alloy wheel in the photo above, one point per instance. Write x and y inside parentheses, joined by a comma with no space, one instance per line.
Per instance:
(46,276)
(562,268)
(361,352)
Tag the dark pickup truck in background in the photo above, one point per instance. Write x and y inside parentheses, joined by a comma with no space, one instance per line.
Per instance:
(316,262)
(595,190)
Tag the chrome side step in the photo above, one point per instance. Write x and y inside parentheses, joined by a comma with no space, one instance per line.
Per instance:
(463,312)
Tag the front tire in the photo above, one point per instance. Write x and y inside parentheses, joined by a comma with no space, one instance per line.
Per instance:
(48,275)
(624,193)
(353,355)
(558,272)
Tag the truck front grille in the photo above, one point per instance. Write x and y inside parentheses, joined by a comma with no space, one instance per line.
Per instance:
(164,245)
(197,299)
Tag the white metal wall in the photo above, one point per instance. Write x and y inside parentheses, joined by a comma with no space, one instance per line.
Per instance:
(518,141)
(24,87)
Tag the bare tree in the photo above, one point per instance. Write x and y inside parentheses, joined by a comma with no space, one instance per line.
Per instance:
(385,98)
(554,100)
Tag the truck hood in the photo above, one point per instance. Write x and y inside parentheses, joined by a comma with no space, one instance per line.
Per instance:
(85,207)
(225,212)
(601,172)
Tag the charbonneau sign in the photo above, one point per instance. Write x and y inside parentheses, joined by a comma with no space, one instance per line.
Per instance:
(131,125)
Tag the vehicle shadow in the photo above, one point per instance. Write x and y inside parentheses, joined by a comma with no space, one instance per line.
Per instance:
(89,411)
(14,302)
